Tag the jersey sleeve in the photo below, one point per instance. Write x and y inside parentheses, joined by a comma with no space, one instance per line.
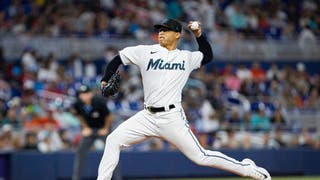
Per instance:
(101,104)
(76,108)
(196,58)
(130,55)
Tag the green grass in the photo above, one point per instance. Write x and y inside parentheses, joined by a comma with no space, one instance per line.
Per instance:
(239,178)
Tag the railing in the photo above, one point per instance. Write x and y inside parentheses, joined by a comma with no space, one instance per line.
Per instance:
(271,50)
(309,119)
(94,47)
(88,48)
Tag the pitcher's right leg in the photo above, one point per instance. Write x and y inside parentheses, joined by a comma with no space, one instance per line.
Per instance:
(187,143)
(179,134)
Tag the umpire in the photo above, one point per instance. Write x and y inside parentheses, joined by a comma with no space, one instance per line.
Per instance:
(95,120)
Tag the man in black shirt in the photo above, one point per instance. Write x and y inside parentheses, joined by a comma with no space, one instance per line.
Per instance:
(95,120)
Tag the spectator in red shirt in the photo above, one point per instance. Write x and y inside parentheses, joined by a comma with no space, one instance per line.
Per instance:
(258,74)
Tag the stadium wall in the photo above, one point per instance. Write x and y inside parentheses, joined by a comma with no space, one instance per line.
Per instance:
(58,166)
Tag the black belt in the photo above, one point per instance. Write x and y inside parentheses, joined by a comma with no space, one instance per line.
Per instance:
(158,109)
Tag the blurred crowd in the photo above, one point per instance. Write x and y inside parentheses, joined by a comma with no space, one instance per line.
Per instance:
(250,106)
(271,19)
(237,105)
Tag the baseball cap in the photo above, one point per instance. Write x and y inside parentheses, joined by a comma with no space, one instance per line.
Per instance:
(171,24)
(83,89)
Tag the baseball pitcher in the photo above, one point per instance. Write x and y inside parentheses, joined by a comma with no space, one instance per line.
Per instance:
(165,70)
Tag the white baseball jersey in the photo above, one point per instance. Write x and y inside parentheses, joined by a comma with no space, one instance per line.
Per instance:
(164,73)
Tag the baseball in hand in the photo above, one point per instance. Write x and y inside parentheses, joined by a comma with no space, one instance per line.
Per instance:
(194,25)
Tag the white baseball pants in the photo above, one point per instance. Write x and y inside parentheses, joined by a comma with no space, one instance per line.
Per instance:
(171,126)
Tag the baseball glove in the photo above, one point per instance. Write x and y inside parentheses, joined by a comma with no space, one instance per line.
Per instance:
(112,86)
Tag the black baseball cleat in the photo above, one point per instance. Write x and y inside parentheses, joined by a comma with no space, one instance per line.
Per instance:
(255,172)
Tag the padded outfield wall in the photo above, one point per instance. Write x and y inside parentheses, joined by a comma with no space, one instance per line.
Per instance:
(53,166)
